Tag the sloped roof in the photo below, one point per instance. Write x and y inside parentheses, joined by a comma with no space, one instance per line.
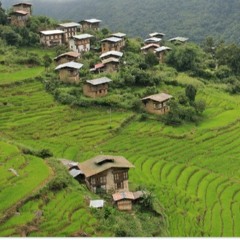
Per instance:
(112,39)
(71,54)
(160,97)
(69,24)
(96,203)
(68,163)
(75,172)
(152,39)
(161,49)
(119,35)
(22,3)
(101,163)
(111,59)
(99,65)
(69,65)
(92,20)
(127,195)
(149,46)
(51,32)
(180,39)
(83,36)
(122,195)
(114,53)
(154,34)
(98,81)
(19,12)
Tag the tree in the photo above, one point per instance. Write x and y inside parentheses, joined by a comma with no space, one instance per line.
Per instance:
(3,16)
(151,59)
(190,92)
(47,61)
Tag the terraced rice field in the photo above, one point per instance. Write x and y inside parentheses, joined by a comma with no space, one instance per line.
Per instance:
(20,175)
(195,174)
(193,170)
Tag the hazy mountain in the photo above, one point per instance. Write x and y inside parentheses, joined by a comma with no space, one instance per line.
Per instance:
(191,18)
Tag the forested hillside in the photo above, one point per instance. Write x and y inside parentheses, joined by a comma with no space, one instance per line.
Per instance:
(192,18)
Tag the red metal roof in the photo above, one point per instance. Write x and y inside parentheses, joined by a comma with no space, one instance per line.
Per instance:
(122,195)
(99,65)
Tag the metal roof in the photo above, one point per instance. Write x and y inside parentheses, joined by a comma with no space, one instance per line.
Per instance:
(114,53)
(69,24)
(92,20)
(127,195)
(155,34)
(112,39)
(90,167)
(22,3)
(21,12)
(119,35)
(122,195)
(150,45)
(99,81)
(96,203)
(153,39)
(51,32)
(180,39)
(75,172)
(160,97)
(83,36)
(71,54)
(69,65)
(161,49)
(111,59)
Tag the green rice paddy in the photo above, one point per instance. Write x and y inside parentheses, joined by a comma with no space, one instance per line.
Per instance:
(193,169)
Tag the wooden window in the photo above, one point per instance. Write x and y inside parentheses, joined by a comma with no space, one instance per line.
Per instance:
(120,176)
(119,185)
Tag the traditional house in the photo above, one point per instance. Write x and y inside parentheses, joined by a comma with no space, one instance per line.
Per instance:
(149,48)
(114,54)
(19,18)
(152,40)
(26,7)
(157,103)
(106,173)
(178,40)
(120,35)
(98,68)
(90,24)
(157,35)
(96,87)
(51,38)
(124,200)
(80,43)
(111,64)
(70,29)
(160,52)
(111,44)
(69,72)
(66,57)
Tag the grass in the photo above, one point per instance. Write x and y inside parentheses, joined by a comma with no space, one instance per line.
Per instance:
(193,169)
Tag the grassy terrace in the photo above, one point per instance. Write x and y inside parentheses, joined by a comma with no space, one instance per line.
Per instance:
(194,170)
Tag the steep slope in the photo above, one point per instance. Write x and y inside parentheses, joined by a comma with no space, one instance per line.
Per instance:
(192,18)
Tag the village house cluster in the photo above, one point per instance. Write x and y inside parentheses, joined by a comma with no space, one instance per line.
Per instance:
(76,37)
(102,173)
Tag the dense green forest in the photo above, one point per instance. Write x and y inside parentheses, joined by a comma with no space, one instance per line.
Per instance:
(191,18)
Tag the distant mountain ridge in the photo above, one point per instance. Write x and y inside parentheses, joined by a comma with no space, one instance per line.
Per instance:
(195,19)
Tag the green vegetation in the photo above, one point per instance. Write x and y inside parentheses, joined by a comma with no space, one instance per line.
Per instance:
(192,169)
(187,18)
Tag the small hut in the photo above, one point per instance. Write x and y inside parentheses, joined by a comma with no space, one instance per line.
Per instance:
(69,72)
(96,87)
(157,103)
(66,57)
